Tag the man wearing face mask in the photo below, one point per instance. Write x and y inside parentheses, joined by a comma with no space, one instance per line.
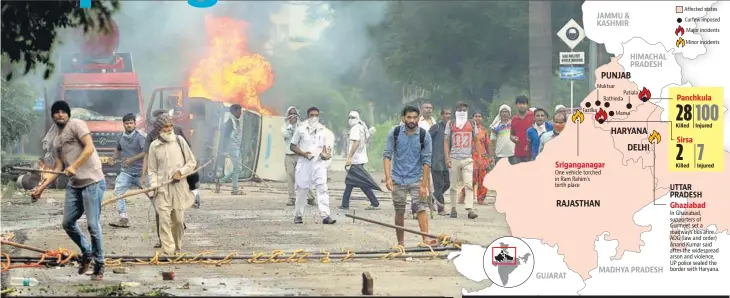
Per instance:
(459,143)
(72,146)
(310,144)
(357,157)
(231,143)
(534,133)
(559,120)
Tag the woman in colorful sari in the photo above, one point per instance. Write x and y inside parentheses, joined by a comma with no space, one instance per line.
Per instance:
(481,154)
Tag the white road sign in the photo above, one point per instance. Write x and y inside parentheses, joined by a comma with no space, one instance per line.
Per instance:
(572,58)
(571,34)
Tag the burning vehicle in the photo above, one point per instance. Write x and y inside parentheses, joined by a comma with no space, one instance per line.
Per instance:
(101,86)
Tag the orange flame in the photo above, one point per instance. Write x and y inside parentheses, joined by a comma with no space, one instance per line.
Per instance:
(228,72)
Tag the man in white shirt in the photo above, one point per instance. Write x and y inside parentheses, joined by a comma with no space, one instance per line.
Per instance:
(310,144)
(427,120)
(357,157)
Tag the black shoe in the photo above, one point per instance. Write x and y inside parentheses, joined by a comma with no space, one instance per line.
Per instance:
(158,245)
(196,205)
(98,272)
(343,208)
(328,221)
(291,202)
(298,220)
(85,263)
(453,213)
(472,215)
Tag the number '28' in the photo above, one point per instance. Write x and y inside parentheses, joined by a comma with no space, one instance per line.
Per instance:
(202,3)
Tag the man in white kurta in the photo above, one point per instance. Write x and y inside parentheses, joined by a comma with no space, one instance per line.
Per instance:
(170,157)
(310,144)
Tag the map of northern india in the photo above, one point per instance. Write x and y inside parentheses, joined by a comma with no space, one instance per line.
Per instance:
(634,191)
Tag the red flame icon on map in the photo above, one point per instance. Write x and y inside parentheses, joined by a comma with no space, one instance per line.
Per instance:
(601,116)
(645,95)
(679,31)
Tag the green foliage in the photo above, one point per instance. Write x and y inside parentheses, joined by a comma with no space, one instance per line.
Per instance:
(377,143)
(18,116)
(29,27)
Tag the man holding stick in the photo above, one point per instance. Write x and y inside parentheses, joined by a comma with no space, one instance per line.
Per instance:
(151,137)
(407,163)
(130,146)
(170,157)
(72,146)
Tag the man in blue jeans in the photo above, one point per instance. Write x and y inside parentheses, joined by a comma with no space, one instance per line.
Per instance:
(231,143)
(130,147)
(407,163)
(73,147)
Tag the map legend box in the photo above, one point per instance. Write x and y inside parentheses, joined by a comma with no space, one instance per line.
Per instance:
(697,124)
(504,256)
(679,9)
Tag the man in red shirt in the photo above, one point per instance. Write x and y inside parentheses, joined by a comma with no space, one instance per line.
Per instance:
(520,123)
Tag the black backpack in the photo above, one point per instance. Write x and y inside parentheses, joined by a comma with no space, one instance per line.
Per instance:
(396,132)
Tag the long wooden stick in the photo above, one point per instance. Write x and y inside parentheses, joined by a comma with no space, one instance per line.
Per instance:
(38,171)
(149,189)
(22,246)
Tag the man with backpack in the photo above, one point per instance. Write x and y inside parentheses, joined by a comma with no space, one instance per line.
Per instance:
(459,139)
(407,163)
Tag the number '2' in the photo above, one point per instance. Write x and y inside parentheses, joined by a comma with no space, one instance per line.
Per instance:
(202,3)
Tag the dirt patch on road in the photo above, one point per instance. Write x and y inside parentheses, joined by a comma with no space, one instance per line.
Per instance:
(258,221)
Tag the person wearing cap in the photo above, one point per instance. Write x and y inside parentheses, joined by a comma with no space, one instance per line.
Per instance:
(170,157)
(151,137)
(72,145)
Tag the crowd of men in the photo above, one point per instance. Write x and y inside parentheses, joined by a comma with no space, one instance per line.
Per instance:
(423,158)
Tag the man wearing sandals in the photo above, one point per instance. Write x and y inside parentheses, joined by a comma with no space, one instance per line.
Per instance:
(130,147)
(407,163)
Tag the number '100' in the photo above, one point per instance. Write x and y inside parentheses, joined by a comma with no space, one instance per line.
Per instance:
(704,112)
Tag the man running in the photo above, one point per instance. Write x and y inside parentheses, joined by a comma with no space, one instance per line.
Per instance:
(72,146)
(518,129)
(130,147)
(407,164)
(310,144)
